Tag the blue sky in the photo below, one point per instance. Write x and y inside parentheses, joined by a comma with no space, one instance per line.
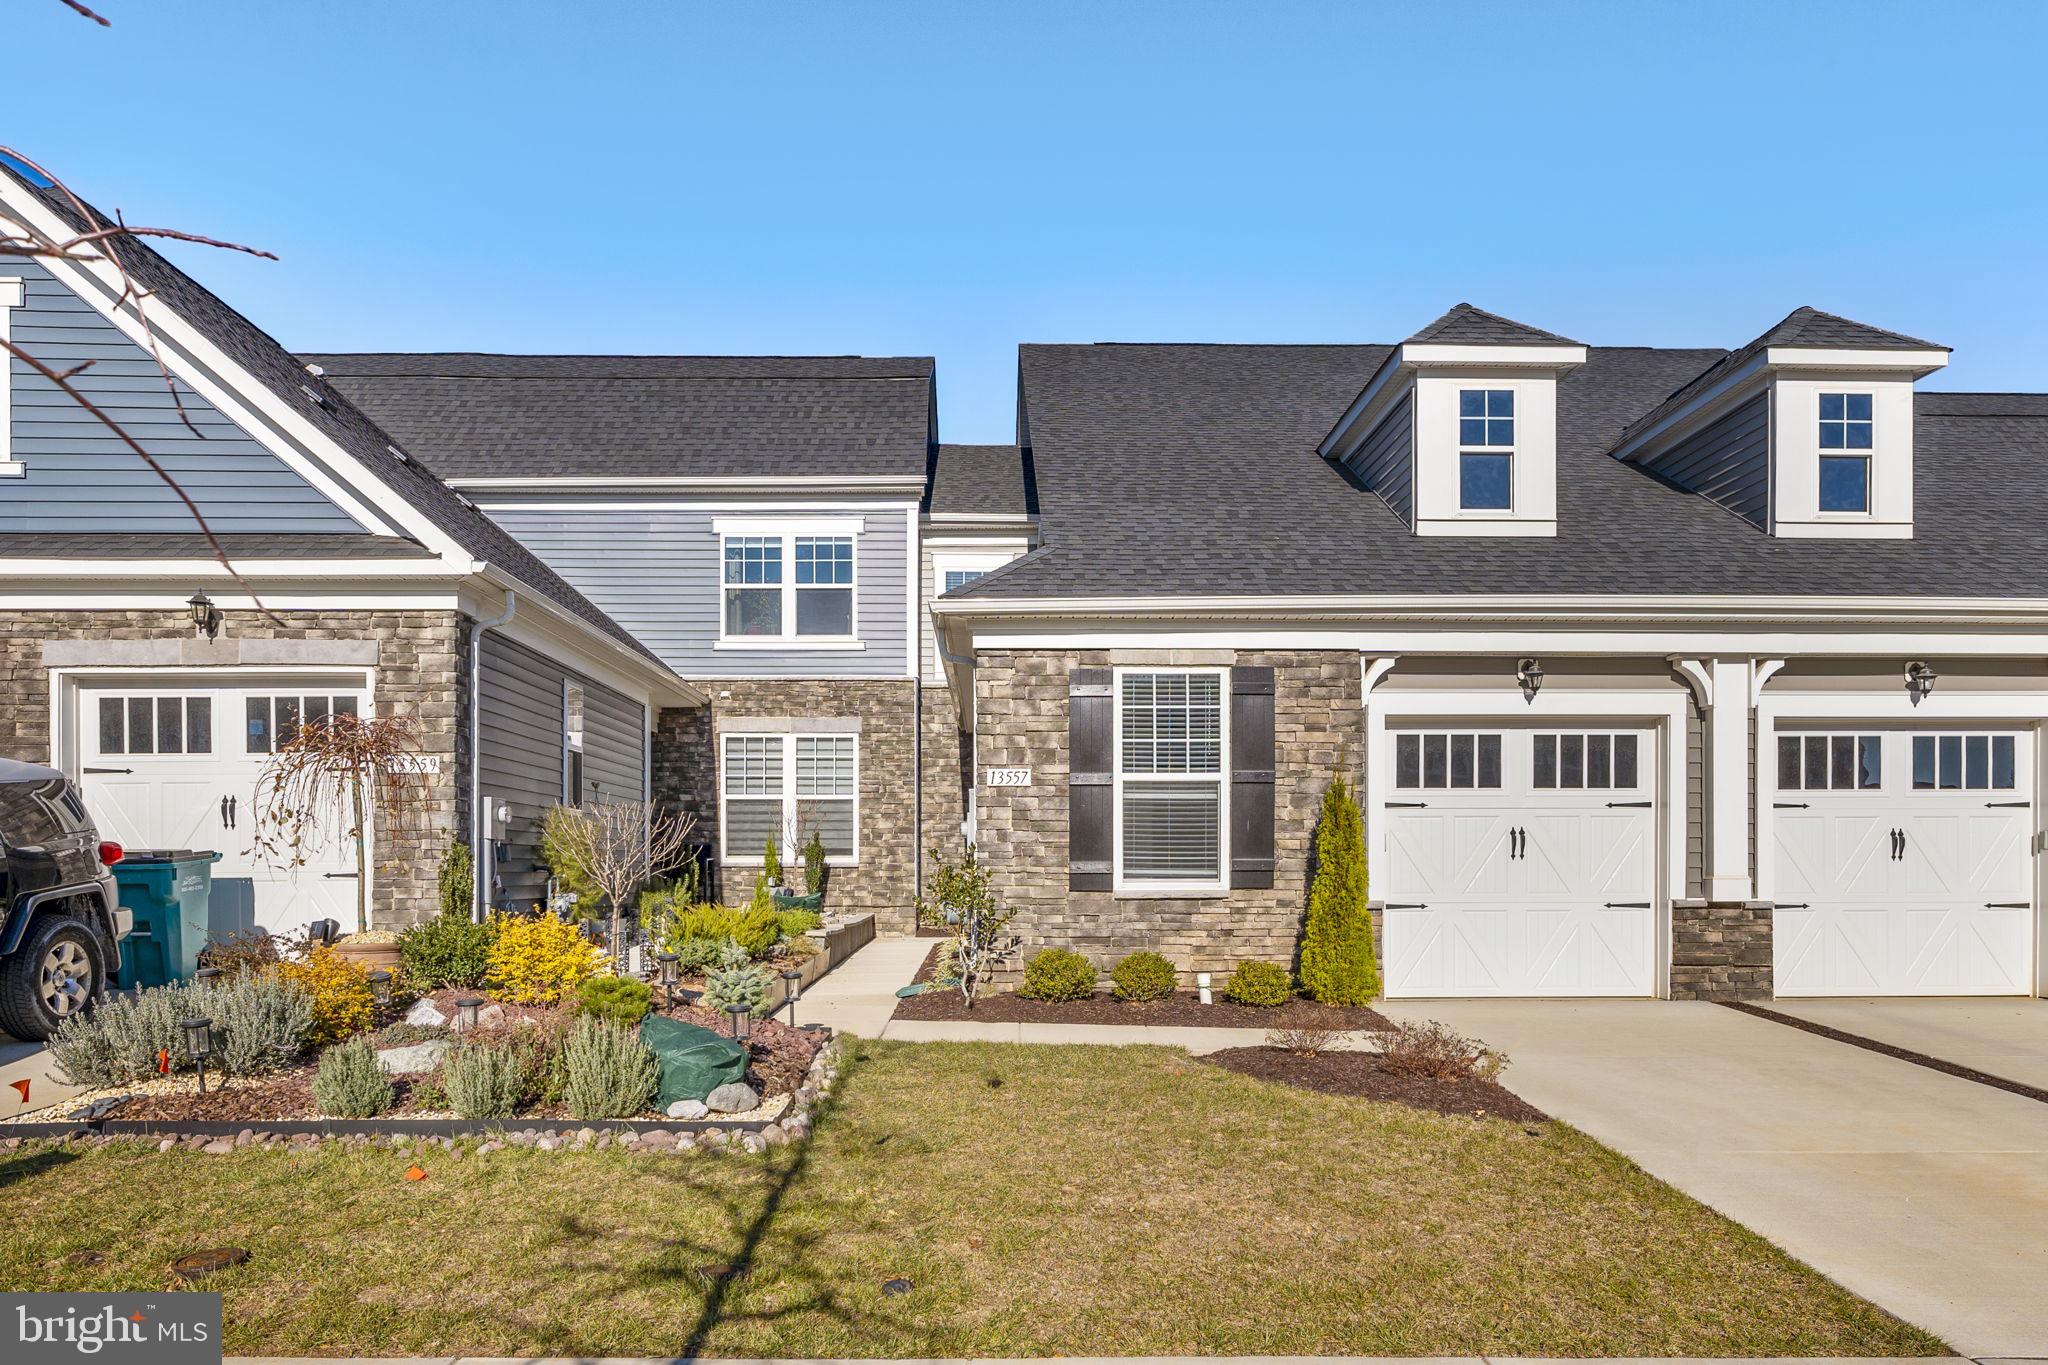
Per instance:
(953,178)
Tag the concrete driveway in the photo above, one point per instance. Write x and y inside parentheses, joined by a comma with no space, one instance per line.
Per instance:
(2002,1037)
(1922,1192)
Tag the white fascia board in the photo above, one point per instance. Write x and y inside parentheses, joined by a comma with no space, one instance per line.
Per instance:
(990,543)
(114,596)
(1738,386)
(1418,355)
(1522,641)
(766,525)
(287,434)
(1647,609)
(1916,363)
(1387,383)
(575,633)
(793,483)
(251,570)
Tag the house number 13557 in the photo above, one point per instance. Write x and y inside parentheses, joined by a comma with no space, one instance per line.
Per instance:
(1009,777)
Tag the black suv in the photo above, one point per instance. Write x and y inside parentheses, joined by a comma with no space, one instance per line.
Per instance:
(60,924)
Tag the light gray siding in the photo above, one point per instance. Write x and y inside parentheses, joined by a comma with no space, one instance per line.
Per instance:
(522,739)
(656,571)
(1727,461)
(1695,804)
(82,477)
(1385,460)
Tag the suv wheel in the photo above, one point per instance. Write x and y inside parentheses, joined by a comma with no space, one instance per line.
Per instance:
(55,973)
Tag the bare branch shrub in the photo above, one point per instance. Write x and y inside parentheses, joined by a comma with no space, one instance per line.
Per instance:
(1303,1042)
(1435,1052)
(619,847)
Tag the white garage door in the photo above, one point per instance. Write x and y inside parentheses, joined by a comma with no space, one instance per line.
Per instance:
(173,767)
(1903,863)
(1520,863)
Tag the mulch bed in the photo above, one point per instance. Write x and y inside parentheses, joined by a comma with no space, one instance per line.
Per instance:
(781,1060)
(1361,1074)
(1183,1009)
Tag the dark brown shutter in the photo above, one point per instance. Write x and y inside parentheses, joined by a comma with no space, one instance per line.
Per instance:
(1091,749)
(1251,777)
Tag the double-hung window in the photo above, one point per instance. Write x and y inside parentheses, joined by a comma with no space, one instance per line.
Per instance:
(1486,450)
(787,787)
(1170,782)
(1846,439)
(787,582)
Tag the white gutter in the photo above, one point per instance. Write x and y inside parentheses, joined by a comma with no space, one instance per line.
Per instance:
(479,897)
(1660,610)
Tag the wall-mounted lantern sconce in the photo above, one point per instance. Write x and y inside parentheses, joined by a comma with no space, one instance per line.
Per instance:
(1919,681)
(206,617)
(1529,674)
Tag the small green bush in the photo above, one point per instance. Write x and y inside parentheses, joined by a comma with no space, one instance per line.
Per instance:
(1143,976)
(814,865)
(756,928)
(1259,983)
(1337,966)
(742,987)
(457,880)
(771,863)
(1057,974)
(797,923)
(449,950)
(261,1020)
(607,1072)
(483,1080)
(349,1083)
(122,1037)
(620,1000)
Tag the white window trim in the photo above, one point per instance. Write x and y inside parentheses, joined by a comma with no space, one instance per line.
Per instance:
(789,798)
(12,295)
(1134,887)
(788,530)
(1489,513)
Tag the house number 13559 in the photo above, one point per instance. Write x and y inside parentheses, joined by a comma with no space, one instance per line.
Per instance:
(1009,777)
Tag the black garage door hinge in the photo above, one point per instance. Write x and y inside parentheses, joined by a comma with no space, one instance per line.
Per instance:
(1405,905)
(1612,804)
(1406,805)
(1788,805)
(1627,905)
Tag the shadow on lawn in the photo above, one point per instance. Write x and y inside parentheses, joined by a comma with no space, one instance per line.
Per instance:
(751,1202)
(28,1165)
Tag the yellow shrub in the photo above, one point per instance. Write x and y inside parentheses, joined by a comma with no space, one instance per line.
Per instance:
(342,1001)
(539,961)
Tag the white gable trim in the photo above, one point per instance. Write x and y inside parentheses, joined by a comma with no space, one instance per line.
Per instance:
(251,405)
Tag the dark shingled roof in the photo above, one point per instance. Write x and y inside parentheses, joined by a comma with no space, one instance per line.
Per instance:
(985,480)
(340,421)
(484,416)
(1800,327)
(1180,470)
(193,545)
(1465,325)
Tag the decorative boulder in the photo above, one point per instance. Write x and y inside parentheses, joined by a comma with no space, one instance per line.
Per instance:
(424,1015)
(735,1098)
(412,1060)
(688,1109)
(694,1062)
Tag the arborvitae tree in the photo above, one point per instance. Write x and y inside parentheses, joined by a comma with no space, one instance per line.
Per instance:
(1337,965)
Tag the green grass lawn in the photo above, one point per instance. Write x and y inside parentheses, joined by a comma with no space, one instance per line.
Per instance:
(1042,1200)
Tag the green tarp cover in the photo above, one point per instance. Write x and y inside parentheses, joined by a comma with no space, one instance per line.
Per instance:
(694,1061)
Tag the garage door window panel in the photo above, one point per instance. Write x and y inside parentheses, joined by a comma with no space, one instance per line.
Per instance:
(155,725)
(1586,762)
(1447,761)
(1830,762)
(1965,762)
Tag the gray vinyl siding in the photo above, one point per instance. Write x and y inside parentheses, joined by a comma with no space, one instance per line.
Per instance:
(656,571)
(521,734)
(1727,461)
(1385,460)
(82,477)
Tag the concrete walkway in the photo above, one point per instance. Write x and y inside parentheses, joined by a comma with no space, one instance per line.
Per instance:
(859,994)
(1922,1192)
(2004,1037)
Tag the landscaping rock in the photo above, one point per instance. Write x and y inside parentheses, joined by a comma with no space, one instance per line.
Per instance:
(733,1098)
(219,1147)
(546,1144)
(688,1109)
(754,1142)
(774,1136)
(424,1015)
(657,1137)
(490,1014)
(419,1057)
(166,1144)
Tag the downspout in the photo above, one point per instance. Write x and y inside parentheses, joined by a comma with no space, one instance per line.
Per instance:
(479,893)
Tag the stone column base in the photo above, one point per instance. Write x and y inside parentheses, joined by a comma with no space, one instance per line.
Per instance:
(1721,950)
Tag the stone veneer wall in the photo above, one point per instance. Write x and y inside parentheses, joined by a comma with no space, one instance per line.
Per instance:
(685,772)
(1021,704)
(421,672)
(1721,952)
(947,761)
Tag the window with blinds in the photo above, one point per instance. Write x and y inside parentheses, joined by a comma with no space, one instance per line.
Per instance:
(785,788)
(1170,777)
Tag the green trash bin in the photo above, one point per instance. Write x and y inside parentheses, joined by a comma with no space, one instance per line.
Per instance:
(168,890)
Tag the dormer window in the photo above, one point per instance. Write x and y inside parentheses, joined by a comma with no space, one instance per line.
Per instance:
(1845,422)
(1486,450)
(1845,426)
